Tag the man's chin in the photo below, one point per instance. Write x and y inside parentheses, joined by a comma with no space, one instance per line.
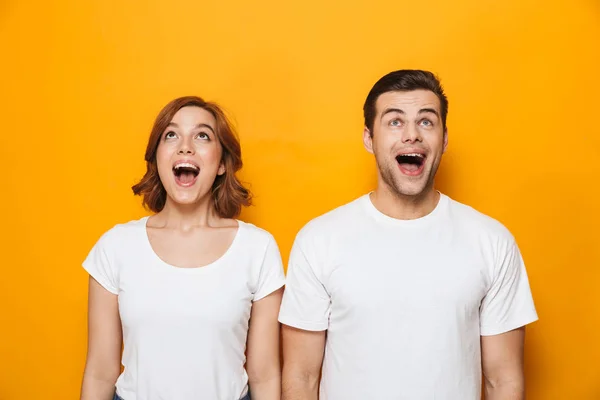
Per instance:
(414,188)
(404,186)
(416,193)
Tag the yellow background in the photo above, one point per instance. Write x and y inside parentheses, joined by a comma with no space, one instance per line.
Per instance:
(82,81)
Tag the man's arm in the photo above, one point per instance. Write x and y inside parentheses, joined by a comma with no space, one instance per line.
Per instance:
(502,363)
(302,359)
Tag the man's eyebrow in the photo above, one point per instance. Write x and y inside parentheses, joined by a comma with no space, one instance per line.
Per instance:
(421,111)
(429,110)
(392,110)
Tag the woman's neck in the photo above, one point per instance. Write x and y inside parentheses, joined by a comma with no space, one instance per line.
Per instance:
(187,216)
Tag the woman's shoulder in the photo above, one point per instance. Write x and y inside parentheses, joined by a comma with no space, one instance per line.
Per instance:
(122,233)
(255,233)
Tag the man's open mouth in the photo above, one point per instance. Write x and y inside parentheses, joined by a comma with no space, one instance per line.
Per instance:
(411,163)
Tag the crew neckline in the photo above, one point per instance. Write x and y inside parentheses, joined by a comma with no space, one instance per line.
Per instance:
(415,222)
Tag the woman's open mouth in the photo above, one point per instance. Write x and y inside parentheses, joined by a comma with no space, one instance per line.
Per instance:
(185,173)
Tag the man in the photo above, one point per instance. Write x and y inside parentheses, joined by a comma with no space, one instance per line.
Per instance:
(405,293)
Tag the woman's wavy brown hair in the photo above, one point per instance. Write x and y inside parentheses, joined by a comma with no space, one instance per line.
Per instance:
(228,193)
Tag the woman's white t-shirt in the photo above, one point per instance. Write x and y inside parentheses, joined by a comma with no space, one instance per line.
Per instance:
(184,329)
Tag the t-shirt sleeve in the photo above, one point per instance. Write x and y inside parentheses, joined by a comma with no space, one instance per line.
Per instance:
(306,303)
(100,266)
(271,275)
(508,303)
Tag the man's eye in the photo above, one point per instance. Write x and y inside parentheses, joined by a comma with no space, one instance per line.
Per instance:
(426,122)
(395,122)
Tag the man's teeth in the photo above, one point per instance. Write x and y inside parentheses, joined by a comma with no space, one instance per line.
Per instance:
(413,155)
(186,165)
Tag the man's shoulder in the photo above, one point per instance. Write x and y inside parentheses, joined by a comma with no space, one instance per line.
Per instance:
(477,221)
(335,220)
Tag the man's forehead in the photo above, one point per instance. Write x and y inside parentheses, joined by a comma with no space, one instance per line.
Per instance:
(406,100)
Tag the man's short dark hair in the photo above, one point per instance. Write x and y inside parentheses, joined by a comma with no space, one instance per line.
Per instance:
(404,80)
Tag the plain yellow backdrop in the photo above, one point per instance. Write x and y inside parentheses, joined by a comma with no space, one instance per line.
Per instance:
(82,81)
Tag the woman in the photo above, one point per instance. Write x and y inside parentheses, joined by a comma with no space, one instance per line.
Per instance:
(190,292)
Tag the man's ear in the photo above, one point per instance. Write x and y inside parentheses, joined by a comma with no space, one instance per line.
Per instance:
(368,140)
(445,140)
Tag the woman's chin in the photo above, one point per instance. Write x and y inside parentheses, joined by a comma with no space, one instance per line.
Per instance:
(187,199)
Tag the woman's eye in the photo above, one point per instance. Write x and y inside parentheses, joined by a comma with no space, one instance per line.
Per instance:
(203,136)
(170,135)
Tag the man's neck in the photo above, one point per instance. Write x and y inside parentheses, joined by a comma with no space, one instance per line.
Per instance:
(404,207)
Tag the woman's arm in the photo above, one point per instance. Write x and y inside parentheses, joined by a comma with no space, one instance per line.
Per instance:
(263,360)
(105,338)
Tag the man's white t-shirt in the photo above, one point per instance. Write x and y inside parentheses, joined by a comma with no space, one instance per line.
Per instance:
(405,302)
(184,329)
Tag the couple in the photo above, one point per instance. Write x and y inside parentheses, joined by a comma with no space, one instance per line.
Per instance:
(402,293)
